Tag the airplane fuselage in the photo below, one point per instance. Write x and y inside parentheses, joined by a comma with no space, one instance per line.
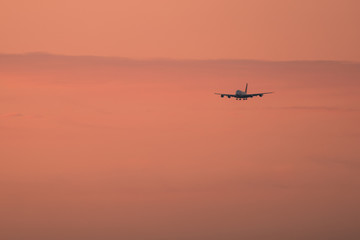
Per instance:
(239,93)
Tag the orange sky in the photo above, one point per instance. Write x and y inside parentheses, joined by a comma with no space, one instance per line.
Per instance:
(96,147)
(104,148)
(200,29)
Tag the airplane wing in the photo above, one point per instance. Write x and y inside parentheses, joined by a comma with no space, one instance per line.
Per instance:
(257,94)
(226,95)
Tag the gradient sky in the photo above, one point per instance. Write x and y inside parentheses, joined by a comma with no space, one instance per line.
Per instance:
(105,148)
(109,128)
(192,29)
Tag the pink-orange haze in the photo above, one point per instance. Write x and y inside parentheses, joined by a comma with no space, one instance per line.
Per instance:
(195,29)
(110,128)
(110,148)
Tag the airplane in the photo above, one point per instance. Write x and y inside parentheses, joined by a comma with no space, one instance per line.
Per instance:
(242,95)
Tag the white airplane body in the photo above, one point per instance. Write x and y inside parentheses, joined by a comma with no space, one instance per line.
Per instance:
(242,95)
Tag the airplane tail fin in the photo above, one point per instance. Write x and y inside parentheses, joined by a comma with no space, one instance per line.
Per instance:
(246,88)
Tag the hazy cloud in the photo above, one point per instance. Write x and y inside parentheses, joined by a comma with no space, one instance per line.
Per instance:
(321,108)
(11,115)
